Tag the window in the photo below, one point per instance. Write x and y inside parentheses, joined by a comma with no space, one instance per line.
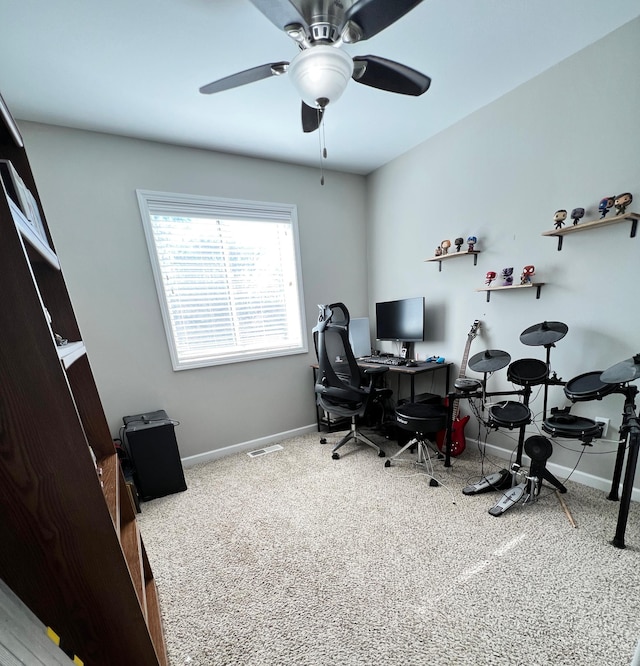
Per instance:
(228,277)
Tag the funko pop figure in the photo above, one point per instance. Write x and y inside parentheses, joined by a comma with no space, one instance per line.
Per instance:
(527,273)
(490,277)
(458,243)
(507,276)
(576,215)
(559,217)
(622,201)
(605,206)
(471,243)
(445,245)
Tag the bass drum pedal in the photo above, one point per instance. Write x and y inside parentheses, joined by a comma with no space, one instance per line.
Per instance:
(497,481)
(510,497)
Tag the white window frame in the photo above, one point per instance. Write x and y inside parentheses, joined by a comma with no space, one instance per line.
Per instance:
(224,212)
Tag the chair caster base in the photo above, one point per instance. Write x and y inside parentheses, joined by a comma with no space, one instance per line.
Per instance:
(323,440)
(335,456)
(387,463)
(381,454)
(434,483)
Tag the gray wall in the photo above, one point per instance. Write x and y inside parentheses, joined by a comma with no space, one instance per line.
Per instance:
(87,182)
(565,139)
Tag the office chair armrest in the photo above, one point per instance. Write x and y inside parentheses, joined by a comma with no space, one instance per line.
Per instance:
(372,376)
(378,370)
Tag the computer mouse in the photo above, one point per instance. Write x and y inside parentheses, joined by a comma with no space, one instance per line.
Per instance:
(411,364)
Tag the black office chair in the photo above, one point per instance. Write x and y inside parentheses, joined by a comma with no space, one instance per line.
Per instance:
(342,388)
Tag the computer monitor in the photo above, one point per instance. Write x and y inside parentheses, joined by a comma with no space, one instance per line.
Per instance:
(401,320)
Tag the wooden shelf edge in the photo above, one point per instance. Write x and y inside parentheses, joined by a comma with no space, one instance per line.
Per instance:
(110,477)
(131,543)
(537,285)
(451,255)
(592,224)
(154,616)
(513,286)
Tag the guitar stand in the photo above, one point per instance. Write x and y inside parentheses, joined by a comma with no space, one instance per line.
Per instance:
(423,458)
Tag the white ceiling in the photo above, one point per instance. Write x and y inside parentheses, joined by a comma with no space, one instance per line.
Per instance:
(133,67)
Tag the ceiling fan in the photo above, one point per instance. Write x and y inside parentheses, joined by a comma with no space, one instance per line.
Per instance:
(321,69)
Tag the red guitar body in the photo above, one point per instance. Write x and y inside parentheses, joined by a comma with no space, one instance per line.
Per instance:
(458,442)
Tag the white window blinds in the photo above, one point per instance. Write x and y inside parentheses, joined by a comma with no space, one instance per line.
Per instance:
(228,277)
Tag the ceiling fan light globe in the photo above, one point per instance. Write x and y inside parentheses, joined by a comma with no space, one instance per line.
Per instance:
(320,73)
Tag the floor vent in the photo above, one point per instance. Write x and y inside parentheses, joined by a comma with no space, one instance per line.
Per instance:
(268,449)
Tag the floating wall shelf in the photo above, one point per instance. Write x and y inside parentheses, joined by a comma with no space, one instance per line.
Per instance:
(594,224)
(537,285)
(453,255)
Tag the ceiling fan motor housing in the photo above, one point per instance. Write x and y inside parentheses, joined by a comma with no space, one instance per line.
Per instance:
(320,74)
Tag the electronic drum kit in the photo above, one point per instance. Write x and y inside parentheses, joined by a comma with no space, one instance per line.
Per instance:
(515,414)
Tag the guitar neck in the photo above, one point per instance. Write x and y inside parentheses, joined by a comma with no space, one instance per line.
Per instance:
(465,358)
(463,363)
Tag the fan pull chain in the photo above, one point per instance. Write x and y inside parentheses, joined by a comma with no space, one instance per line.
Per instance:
(323,146)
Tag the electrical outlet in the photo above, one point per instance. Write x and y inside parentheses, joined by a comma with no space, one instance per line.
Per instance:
(605,421)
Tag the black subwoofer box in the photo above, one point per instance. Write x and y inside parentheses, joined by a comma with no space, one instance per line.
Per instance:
(152,445)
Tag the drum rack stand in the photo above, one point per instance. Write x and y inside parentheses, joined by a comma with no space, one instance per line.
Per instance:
(549,381)
(513,492)
(454,396)
(629,434)
(527,491)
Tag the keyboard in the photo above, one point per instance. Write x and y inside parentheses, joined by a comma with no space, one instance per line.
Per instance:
(383,360)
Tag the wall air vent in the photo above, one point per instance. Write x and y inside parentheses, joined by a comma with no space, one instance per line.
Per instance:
(261,452)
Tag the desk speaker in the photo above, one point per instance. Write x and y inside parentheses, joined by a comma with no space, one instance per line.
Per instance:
(153,448)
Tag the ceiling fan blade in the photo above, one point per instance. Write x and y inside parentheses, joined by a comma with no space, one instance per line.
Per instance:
(311,118)
(247,76)
(389,75)
(281,12)
(372,16)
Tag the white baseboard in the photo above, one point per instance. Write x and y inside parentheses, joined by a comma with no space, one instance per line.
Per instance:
(260,443)
(597,482)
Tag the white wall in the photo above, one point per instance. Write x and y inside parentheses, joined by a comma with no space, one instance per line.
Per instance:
(565,139)
(87,182)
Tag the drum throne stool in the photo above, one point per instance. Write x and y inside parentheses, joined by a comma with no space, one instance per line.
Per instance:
(424,421)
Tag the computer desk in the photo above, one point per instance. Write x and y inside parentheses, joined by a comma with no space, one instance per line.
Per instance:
(411,372)
(401,371)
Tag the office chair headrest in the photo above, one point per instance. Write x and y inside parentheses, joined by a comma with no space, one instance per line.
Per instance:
(335,313)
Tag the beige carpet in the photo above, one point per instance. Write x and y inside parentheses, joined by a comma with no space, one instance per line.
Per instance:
(292,558)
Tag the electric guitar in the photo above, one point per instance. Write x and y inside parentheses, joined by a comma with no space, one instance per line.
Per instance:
(458,442)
